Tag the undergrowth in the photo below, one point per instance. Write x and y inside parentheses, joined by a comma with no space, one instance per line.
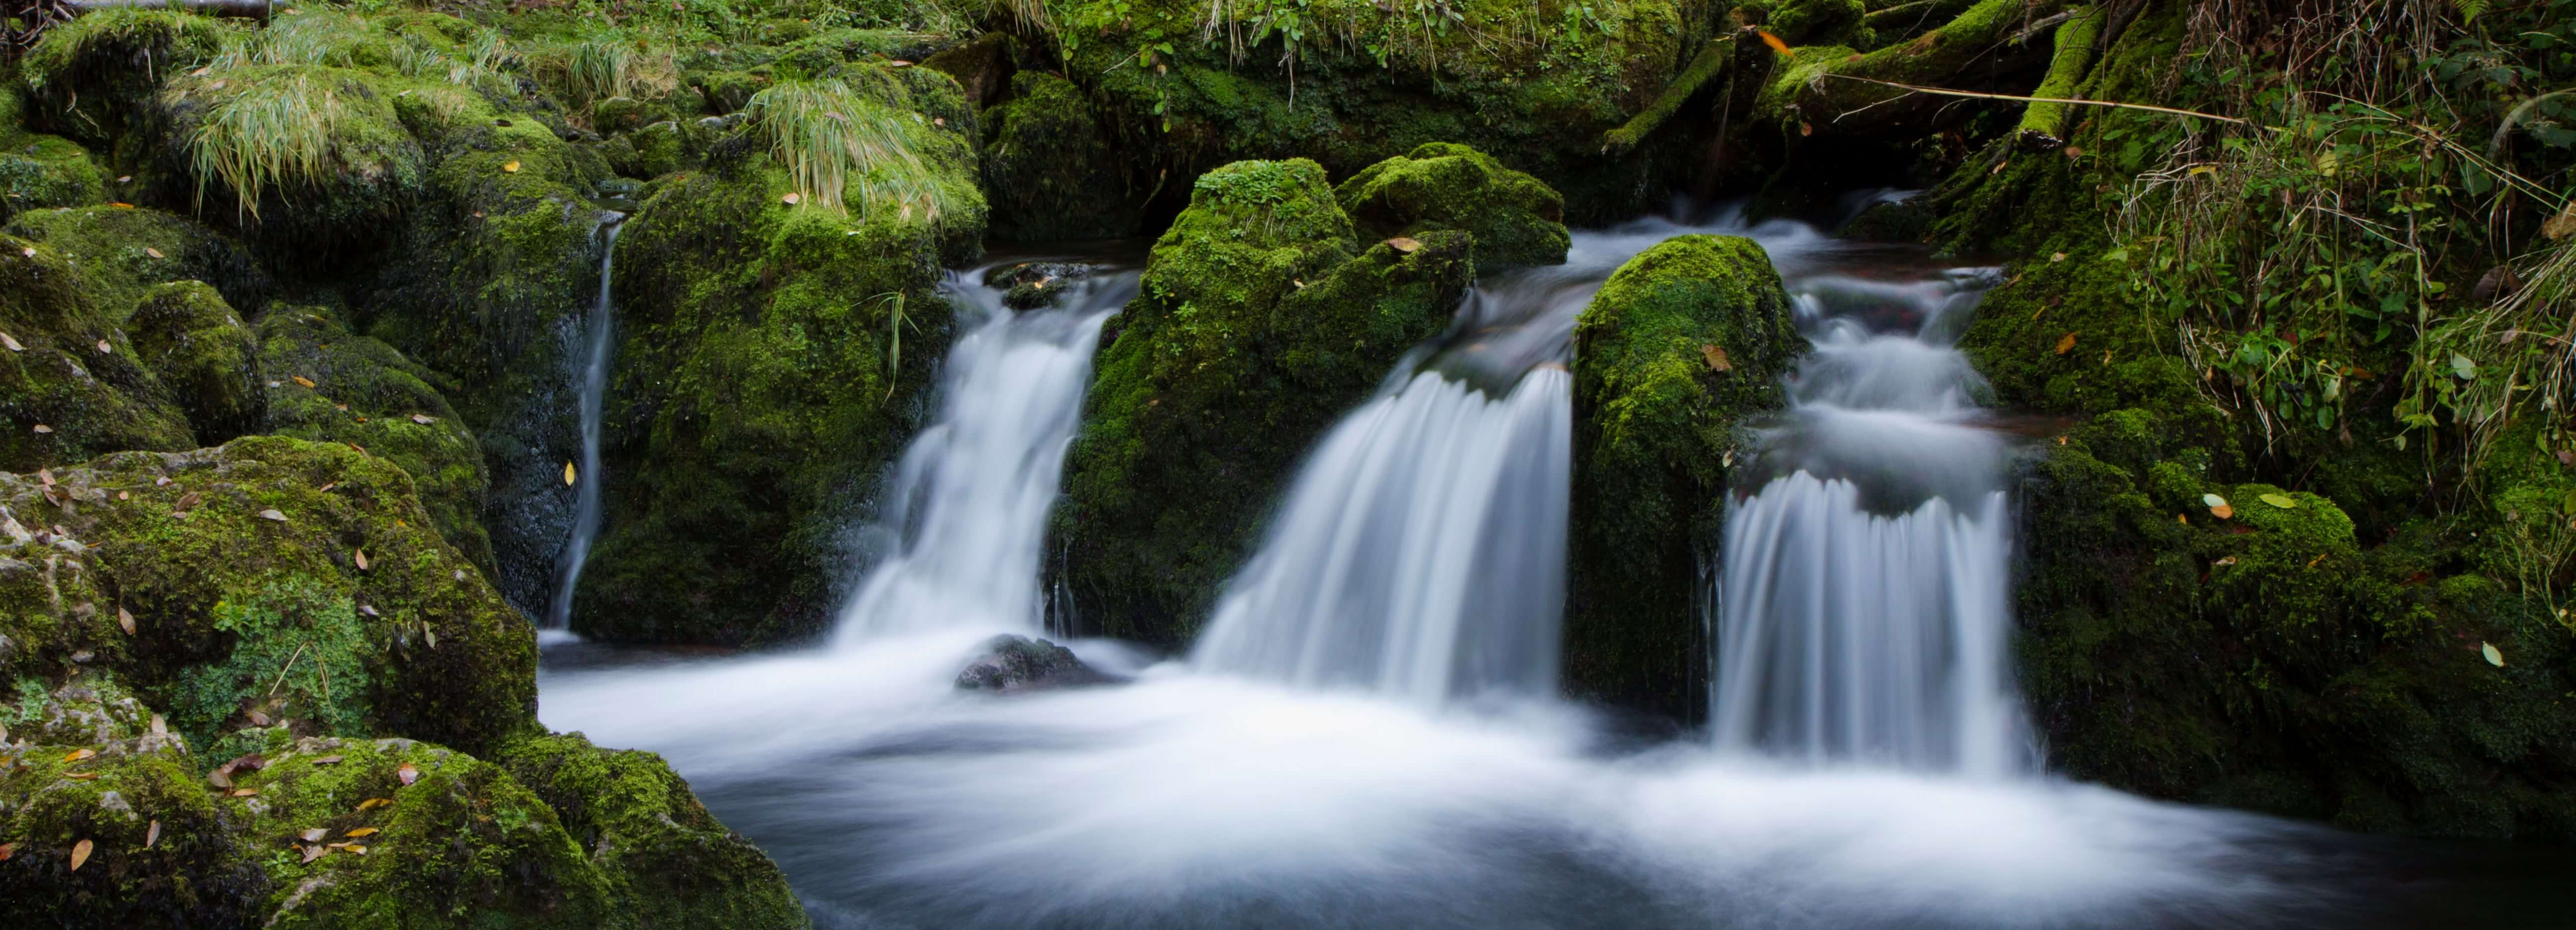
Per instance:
(846,151)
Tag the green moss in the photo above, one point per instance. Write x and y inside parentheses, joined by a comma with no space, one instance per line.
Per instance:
(2269,660)
(672,863)
(63,397)
(368,394)
(1821,22)
(87,76)
(757,391)
(115,248)
(205,354)
(1254,327)
(1048,162)
(463,842)
(312,161)
(40,171)
(1682,344)
(236,611)
(1516,219)
(163,851)
(1533,86)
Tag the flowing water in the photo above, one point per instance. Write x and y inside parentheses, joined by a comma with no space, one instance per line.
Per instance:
(1863,606)
(598,334)
(1312,764)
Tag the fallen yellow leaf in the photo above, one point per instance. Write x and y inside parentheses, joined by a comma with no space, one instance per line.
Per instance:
(511,167)
(300,379)
(1773,41)
(361,831)
(80,854)
(2066,343)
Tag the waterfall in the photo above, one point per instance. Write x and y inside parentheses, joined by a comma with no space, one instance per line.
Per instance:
(959,538)
(597,332)
(1863,604)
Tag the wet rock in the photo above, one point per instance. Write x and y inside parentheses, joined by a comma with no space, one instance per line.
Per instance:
(1018,663)
(1036,284)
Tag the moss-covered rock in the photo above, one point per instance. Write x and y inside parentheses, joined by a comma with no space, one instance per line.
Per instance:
(124,252)
(87,77)
(205,355)
(2267,660)
(162,850)
(1682,345)
(312,162)
(237,611)
(329,385)
(1049,166)
(769,357)
(669,862)
(1516,219)
(71,386)
(1259,320)
(38,171)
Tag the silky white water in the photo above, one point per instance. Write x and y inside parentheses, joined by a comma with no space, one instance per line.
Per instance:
(1864,601)
(964,519)
(1351,791)
(598,333)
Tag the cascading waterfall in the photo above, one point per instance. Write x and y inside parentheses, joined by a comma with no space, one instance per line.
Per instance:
(964,519)
(1863,603)
(1205,793)
(598,332)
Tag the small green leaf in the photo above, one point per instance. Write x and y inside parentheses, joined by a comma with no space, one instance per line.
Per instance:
(2461,366)
(2494,656)
(2281,501)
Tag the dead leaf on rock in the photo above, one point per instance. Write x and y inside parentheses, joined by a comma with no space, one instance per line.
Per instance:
(189,500)
(42,428)
(361,831)
(302,380)
(315,835)
(315,852)
(423,419)
(362,559)
(152,834)
(1404,244)
(1716,358)
(245,792)
(272,514)
(7,850)
(790,198)
(79,754)
(80,854)
(11,342)
(510,167)
(408,773)
(373,803)
(155,253)
(125,620)
(2066,343)
(569,475)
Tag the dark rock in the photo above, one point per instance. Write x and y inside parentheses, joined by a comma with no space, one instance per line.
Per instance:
(1017,663)
(1036,284)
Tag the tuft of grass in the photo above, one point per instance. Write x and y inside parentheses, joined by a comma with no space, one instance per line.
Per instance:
(842,150)
(275,137)
(614,65)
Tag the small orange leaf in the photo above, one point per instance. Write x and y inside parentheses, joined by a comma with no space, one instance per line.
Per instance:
(510,167)
(790,198)
(373,803)
(2223,512)
(361,556)
(1716,358)
(105,349)
(42,428)
(300,379)
(407,773)
(80,854)
(1404,244)
(2066,343)
(1773,41)
(2230,560)
(1806,129)
(245,792)
(79,754)
(152,834)
(7,850)
(155,253)
(122,206)
(125,620)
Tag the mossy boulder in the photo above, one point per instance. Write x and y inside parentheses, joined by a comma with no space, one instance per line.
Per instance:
(39,171)
(2269,660)
(1682,345)
(1049,165)
(125,252)
(322,831)
(329,385)
(336,194)
(88,78)
(237,612)
(72,386)
(670,862)
(1516,219)
(759,390)
(163,851)
(207,357)
(1259,320)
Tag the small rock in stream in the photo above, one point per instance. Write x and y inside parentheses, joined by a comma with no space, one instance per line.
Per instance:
(1009,663)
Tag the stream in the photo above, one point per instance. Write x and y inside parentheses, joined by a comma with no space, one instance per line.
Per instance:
(1368,733)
